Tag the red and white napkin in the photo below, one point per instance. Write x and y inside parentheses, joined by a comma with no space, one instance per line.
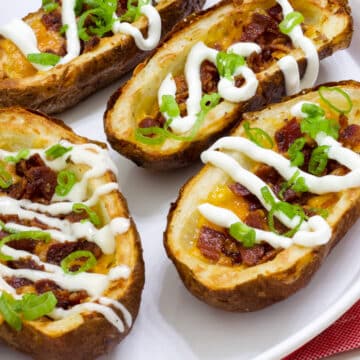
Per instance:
(343,335)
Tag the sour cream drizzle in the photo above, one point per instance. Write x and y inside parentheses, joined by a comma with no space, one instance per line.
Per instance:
(23,36)
(95,163)
(226,87)
(313,232)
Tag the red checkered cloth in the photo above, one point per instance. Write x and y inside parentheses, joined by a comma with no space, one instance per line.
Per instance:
(343,335)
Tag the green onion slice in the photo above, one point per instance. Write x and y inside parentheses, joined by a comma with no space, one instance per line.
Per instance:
(76,255)
(169,106)
(243,233)
(291,20)
(133,10)
(8,311)
(318,160)
(268,197)
(314,125)
(100,13)
(258,136)
(227,63)
(64,29)
(93,216)
(49,5)
(66,180)
(158,136)
(5,178)
(22,154)
(46,59)
(208,102)
(33,235)
(342,97)
(295,153)
(296,183)
(35,306)
(57,151)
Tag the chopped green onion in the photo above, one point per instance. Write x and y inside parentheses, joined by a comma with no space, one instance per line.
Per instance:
(78,7)
(320,211)
(64,29)
(76,255)
(93,216)
(35,306)
(22,154)
(258,136)
(288,209)
(133,10)
(291,20)
(5,178)
(100,15)
(142,135)
(312,110)
(169,106)
(243,233)
(345,96)
(66,180)
(266,194)
(9,313)
(296,183)
(318,160)
(49,5)
(57,151)
(295,154)
(208,102)
(227,63)
(313,125)
(46,59)
(33,235)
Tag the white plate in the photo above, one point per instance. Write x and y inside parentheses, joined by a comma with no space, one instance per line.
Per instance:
(172,323)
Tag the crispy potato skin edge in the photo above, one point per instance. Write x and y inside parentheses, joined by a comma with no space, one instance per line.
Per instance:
(66,86)
(271,90)
(96,335)
(264,290)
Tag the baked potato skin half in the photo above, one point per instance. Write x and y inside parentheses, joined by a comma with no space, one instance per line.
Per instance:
(119,128)
(89,335)
(262,289)
(66,85)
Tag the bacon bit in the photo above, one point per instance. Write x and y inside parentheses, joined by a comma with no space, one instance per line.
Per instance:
(285,136)
(256,219)
(91,44)
(242,191)
(350,136)
(17,190)
(209,77)
(23,165)
(65,298)
(17,283)
(28,245)
(231,248)
(52,20)
(121,7)
(26,263)
(182,91)
(41,183)
(268,174)
(76,217)
(252,256)
(59,251)
(343,121)
(276,13)
(148,122)
(210,243)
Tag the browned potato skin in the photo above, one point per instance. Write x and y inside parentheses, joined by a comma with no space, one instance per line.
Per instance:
(271,89)
(95,336)
(265,289)
(66,85)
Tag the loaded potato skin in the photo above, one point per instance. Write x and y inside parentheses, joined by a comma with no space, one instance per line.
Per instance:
(74,332)
(230,284)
